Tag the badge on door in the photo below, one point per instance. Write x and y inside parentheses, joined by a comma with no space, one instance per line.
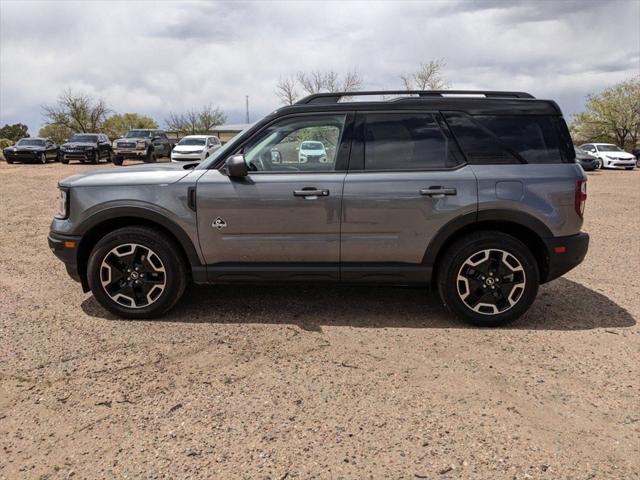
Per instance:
(219,223)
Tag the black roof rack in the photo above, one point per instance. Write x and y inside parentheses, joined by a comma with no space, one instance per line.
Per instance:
(336,96)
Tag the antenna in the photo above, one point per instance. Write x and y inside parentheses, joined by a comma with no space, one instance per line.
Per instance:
(246,101)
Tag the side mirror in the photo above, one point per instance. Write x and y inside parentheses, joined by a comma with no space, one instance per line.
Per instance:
(235,166)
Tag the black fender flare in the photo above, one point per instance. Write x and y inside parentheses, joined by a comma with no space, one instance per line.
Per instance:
(522,219)
(119,212)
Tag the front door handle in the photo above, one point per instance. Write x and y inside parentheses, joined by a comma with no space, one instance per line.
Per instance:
(310,192)
(438,192)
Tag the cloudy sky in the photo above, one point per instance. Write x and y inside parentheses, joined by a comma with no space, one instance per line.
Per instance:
(154,57)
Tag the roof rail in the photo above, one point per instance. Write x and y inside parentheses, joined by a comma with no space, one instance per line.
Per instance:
(336,96)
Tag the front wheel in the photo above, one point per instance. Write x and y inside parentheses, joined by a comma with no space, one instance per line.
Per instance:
(599,164)
(43,158)
(488,278)
(134,272)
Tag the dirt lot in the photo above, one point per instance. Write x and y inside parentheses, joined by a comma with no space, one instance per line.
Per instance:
(258,382)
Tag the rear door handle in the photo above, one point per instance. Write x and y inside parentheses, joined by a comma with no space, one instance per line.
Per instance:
(310,192)
(438,192)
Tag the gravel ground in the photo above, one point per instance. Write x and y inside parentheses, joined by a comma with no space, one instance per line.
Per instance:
(327,382)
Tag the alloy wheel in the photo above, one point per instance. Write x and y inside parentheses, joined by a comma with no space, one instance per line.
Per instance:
(133,275)
(491,281)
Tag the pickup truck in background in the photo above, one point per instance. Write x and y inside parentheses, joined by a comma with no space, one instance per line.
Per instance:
(142,144)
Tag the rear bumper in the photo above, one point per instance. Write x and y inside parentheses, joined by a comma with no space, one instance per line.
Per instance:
(65,247)
(564,254)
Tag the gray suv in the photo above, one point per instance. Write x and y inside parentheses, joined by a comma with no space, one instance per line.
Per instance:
(475,193)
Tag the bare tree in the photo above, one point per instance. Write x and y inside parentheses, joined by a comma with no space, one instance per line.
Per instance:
(311,82)
(193,122)
(428,77)
(77,112)
(286,90)
(351,82)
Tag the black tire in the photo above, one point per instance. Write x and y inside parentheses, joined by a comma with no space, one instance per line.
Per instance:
(455,286)
(151,157)
(598,164)
(117,160)
(65,160)
(154,241)
(110,157)
(43,158)
(10,162)
(95,158)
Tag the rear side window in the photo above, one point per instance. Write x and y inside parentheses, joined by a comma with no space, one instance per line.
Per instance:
(405,141)
(509,138)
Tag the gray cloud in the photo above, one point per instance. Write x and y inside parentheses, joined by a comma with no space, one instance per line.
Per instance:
(157,57)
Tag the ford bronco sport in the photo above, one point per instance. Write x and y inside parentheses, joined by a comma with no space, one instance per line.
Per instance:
(475,193)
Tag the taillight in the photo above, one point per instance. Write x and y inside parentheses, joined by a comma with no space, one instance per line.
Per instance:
(581,196)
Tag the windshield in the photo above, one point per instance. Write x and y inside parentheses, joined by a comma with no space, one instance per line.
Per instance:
(192,141)
(30,143)
(138,133)
(312,146)
(609,148)
(580,151)
(84,138)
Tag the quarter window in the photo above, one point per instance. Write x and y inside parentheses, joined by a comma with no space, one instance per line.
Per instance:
(405,141)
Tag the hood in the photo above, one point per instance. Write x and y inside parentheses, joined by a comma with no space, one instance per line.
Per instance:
(188,148)
(585,156)
(27,148)
(132,139)
(154,174)
(620,155)
(78,144)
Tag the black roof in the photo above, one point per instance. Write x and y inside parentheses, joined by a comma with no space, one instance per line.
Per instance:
(474,102)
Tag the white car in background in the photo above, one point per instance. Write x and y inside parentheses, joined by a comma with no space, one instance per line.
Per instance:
(610,155)
(194,148)
(312,151)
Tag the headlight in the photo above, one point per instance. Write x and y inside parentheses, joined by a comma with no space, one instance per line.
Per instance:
(114,144)
(63,204)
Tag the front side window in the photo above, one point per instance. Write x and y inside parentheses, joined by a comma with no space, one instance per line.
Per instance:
(405,141)
(283,147)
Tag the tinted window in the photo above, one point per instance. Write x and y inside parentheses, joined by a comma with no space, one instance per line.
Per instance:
(510,138)
(405,141)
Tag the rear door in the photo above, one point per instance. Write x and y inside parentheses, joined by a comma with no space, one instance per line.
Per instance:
(406,180)
(282,221)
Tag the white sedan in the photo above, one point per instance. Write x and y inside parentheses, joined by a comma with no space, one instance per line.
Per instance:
(610,155)
(194,148)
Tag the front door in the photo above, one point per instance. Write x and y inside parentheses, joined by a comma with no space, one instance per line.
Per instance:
(282,221)
(405,182)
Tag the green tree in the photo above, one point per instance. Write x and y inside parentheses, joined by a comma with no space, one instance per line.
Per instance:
(58,133)
(77,112)
(611,116)
(118,125)
(14,132)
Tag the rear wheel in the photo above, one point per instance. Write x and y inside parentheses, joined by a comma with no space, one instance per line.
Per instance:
(151,157)
(134,272)
(488,278)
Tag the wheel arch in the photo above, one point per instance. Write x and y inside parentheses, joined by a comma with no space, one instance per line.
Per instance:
(104,222)
(520,225)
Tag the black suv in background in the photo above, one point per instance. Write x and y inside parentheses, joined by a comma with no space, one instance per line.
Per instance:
(86,147)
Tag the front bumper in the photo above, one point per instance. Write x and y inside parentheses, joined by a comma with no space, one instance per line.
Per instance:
(83,156)
(65,247)
(564,254)
(130,153)
(620,163)
(186,157)
(23,156)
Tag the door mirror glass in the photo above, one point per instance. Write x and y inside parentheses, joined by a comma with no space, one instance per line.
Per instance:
(235,166)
